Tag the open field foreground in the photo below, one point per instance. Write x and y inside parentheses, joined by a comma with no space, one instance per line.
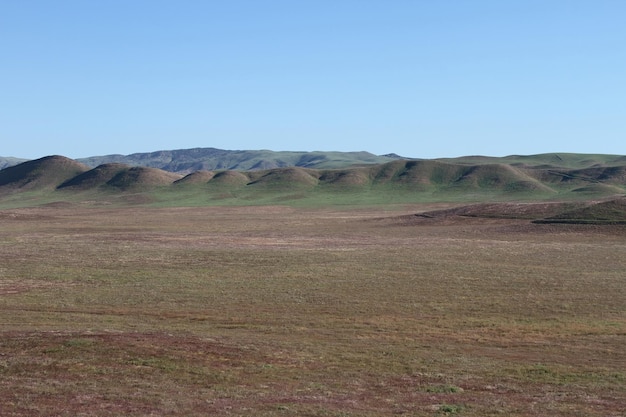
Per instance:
(277,311)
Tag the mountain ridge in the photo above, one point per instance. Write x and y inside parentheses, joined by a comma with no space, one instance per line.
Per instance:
(185,161)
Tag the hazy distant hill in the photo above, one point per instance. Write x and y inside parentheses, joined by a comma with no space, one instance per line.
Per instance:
(6,162)
(210,159)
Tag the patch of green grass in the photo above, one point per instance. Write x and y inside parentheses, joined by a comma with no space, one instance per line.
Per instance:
(450,409)
(444,389)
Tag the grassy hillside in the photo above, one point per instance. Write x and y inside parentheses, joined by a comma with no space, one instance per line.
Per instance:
(610,211)
(605,212)
(397,182)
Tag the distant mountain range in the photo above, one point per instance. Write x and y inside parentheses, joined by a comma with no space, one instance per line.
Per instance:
(6,162)
(196,159)
(338,177)
(185,161)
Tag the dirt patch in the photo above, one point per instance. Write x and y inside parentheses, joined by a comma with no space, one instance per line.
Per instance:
(24,215)
(13,286)
(517,217)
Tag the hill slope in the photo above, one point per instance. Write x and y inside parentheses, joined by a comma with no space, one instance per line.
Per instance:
(120,176)
(604,212)
(43,173)
(398,181)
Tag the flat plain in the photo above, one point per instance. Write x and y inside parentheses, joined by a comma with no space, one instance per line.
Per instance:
(276,311)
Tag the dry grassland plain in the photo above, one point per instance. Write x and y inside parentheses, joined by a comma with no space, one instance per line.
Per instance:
(277,311)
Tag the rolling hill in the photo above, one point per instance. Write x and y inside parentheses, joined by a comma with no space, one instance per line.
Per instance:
(120,176)
(185,161)
(611,211)
(56,178)
(45,173)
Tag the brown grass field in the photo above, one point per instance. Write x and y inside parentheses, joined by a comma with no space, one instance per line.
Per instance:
(277,311)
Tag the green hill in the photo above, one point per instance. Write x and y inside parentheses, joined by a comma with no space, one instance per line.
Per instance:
(57,178)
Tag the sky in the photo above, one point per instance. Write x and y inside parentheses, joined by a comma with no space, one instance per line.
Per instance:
(419,78)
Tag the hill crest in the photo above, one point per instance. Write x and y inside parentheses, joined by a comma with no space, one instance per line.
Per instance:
(44,173)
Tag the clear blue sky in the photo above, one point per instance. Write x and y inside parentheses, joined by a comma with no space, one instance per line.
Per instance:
(421,78)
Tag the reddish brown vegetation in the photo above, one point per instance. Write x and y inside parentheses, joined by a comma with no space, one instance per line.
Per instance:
(279,311)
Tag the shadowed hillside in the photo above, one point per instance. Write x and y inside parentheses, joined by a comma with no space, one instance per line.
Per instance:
(470,177)
(604,212)
(229,179)
(120,176)
(96,177)
(198,177)
(291,178)
(498,177)
(142,177)
(357,177)
(424,172)
(43,173)
(608,212)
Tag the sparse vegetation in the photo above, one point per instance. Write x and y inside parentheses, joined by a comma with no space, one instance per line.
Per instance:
(279,310)
(450,409)
(443,389)
(367,291)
